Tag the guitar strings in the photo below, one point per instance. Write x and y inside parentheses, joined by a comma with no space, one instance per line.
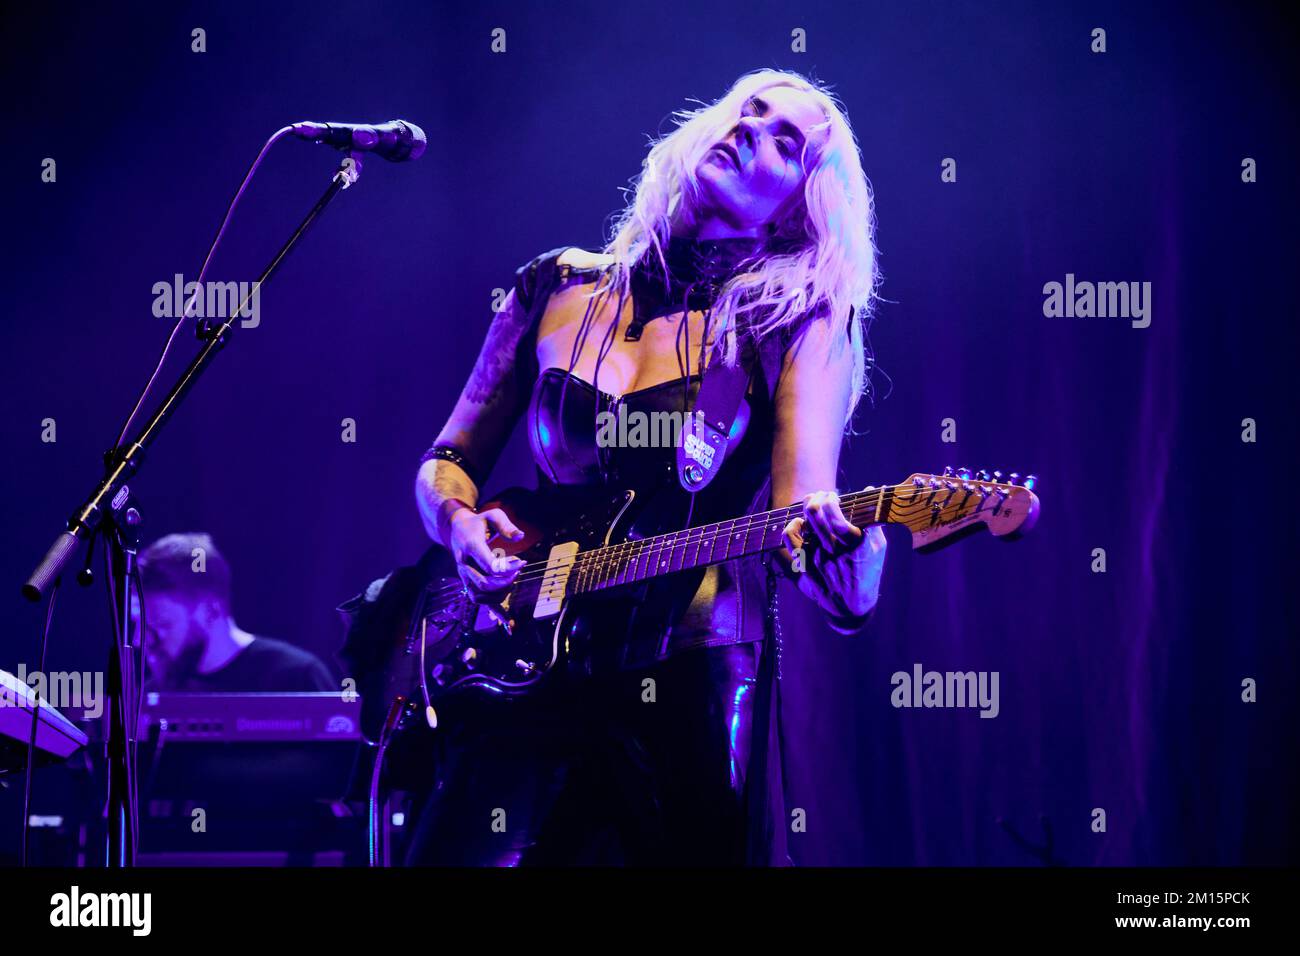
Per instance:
(608,556)
(744,525)
(659,544)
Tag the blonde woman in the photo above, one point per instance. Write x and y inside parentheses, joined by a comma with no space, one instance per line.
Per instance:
(751,223)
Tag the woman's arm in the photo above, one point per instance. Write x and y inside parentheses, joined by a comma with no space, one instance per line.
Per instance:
(480,424)
(842,574)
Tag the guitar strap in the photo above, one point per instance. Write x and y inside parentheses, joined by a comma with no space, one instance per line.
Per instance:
(707,432)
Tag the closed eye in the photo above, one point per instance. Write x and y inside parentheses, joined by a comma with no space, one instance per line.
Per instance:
(787,144)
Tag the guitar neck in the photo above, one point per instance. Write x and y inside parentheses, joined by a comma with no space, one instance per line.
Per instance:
(645,558)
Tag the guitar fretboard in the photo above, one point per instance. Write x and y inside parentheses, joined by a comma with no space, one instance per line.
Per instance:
(640,560)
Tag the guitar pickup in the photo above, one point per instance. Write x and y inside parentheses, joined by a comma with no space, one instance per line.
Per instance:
(555,580)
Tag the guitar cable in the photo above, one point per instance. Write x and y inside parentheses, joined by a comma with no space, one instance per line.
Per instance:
(377,841)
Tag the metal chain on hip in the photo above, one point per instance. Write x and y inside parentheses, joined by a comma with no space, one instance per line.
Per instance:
(774,613)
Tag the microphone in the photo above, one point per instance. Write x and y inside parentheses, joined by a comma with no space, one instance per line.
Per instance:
(396,141)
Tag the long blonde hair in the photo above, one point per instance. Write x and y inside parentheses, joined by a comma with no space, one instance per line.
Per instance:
(826,263)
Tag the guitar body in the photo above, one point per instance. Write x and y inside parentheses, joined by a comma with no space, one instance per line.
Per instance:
(434,642)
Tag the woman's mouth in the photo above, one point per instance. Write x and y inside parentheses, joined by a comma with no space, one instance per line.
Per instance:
(728,152)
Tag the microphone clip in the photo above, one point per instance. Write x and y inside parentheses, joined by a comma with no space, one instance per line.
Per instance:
(349,170)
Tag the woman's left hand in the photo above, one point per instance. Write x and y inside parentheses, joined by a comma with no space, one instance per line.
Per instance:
(842,570)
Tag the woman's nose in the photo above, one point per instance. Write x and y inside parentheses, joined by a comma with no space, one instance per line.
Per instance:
(751,130)
(746,130)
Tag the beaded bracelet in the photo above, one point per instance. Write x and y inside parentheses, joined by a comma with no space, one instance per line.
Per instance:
(456,457)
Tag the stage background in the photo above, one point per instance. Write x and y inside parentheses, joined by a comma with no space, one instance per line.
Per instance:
(1118,690)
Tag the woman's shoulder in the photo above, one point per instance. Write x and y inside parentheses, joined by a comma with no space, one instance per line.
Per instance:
(543,272)
(576,257)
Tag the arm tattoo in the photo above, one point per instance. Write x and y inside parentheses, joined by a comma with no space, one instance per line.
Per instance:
(494,372)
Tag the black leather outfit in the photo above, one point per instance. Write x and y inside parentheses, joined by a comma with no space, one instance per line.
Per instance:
(589,771)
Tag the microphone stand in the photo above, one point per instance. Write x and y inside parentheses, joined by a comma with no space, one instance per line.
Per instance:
(120,523)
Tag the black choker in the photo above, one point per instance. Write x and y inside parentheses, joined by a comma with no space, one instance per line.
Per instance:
(697,271)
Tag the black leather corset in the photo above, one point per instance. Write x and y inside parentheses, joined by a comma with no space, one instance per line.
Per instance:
(582,435)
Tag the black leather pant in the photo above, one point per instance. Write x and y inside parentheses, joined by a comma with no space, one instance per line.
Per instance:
(598,772)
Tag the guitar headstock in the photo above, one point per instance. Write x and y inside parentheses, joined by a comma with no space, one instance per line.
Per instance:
(941,509)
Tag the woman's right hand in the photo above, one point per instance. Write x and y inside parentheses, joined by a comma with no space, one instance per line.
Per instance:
(485,572)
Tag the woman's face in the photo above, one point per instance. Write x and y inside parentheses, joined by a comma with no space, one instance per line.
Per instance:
(751,174)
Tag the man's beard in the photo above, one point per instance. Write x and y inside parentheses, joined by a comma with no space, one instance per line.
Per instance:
(172,673)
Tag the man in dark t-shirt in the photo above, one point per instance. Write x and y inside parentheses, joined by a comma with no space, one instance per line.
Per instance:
(264,665)
(191,641)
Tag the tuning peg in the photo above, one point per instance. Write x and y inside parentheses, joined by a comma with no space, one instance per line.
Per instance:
(947,470)
(984,475)
(997,476)
(1030,480)
(963,473)
(1014,478)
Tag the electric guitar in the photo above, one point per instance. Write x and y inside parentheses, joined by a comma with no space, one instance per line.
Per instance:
(580,552)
